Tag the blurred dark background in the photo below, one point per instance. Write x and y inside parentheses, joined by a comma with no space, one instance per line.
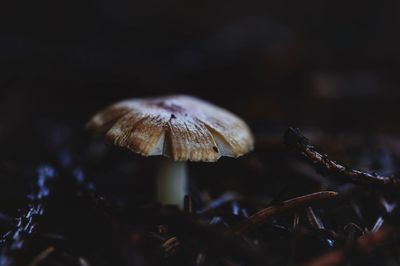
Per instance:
(330,64)
(328,67)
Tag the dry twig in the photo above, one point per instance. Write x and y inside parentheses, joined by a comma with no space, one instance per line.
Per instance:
(268,213)
(300,144)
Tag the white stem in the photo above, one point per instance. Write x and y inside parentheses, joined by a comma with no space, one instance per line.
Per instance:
(171,182)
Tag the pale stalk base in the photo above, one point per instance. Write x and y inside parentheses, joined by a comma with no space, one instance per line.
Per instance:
(171,182)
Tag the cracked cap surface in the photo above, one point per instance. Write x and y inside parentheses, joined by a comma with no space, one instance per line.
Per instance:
(181,127)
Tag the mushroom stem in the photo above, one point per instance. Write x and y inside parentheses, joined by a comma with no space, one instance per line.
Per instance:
(171,182)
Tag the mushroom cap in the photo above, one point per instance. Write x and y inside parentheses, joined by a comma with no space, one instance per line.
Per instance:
(179,126)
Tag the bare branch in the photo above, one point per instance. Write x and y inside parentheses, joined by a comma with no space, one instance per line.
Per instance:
(300,144)
(268,213)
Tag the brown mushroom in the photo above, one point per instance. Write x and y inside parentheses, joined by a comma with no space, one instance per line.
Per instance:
(180,127)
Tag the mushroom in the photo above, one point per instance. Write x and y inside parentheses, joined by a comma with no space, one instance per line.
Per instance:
(180,127)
